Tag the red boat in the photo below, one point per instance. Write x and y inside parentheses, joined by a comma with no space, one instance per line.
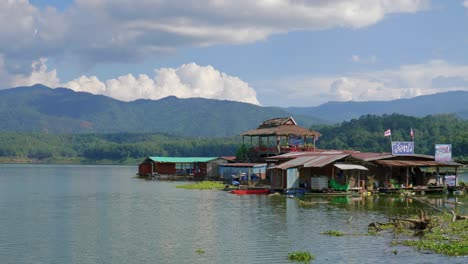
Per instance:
(251,191)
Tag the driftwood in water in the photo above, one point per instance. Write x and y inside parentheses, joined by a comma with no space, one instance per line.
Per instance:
(379,226)
(419,224)
(458,217)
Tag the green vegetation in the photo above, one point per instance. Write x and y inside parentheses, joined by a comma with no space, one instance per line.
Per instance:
(304,256)
(332,233)
(366,133)
(63,111)
(122,148)
(200,251)
(203,185)
(447,237)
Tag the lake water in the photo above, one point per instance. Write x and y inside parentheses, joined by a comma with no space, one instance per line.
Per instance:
(101,214)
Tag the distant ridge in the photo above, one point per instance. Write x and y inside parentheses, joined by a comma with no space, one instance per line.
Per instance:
(441,103)
(61,110)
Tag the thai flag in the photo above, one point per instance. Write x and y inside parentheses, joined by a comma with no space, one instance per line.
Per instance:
(387,133)
(411,134)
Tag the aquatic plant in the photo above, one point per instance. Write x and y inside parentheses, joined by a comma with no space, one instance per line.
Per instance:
(200,251)
(332,233)
(203,185)
(304,256)
(447,237)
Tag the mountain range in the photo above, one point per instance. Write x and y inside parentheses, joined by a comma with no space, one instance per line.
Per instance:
(441,103)
(60,110)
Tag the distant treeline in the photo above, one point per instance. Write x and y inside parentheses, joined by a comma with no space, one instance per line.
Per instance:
(364,134)
(117,148)
(367,133)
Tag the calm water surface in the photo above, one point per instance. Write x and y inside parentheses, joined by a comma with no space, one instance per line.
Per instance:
(100,214)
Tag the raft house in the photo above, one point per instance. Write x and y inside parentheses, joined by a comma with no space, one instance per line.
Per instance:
(179,168)
(284,155)
(295,164)
(330,171)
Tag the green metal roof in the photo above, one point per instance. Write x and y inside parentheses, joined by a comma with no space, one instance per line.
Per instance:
(182,159)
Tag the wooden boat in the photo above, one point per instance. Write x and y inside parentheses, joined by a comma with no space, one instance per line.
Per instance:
(251,191)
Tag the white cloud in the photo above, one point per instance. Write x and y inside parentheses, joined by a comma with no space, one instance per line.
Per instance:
(128,30)
(404,82)
(188,80)
(465,3)
(39,74)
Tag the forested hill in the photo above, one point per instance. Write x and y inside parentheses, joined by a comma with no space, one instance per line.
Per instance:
(367,133)
(42,109)
(441,103)
(364,134)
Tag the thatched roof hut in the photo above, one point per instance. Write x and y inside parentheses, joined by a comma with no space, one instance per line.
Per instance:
(283,126)
(281,129)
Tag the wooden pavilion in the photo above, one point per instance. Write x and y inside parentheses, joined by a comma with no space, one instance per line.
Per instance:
(281,135)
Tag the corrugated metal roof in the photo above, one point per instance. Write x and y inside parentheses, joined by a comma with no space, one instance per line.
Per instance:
(182,159)
(369,156)
(320,161)
(249,165)
(297,162)
(350,167)
(316,161)
(415,163)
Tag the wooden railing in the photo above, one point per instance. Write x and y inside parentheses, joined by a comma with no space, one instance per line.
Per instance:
(283,149)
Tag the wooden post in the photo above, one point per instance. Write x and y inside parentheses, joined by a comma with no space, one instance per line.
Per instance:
(359,178)
(278,148)
(407,177)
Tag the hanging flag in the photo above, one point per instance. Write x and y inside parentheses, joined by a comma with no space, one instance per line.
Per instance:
(387,133)
(411,134)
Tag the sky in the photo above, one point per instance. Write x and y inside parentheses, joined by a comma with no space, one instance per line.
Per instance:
(265,52)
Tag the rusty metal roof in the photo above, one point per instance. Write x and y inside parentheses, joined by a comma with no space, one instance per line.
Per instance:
(316,161)
(416,163)
(369,156)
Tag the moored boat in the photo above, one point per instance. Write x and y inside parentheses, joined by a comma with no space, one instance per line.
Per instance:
(251,191)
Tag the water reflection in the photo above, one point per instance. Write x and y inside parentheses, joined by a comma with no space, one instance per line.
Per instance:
(99,214)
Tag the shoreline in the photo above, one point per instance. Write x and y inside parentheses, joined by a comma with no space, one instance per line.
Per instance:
(64,161)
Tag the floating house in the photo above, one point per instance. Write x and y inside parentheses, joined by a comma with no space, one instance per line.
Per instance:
(417,172)
(314,170)
(230,172)
(180,167)
(354,170)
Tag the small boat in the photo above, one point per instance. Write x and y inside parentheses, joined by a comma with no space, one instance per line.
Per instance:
(251,191)
(296,191)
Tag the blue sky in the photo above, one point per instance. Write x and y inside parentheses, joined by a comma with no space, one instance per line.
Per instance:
(270,52)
